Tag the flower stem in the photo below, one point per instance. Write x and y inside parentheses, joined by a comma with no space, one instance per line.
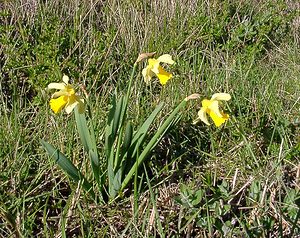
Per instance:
(130,83)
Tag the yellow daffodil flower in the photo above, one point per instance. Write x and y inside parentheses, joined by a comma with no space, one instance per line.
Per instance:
(211,107)
(153,68)
(65,98)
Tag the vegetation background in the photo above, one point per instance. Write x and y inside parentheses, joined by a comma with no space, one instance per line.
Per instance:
(241,180)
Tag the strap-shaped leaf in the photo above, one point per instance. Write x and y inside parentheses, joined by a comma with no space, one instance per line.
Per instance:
(109,138)
(83,130)
(154,141)
(140,135)
(127,139)
(113,141)
(95,164)
(68,167)
(128,155)
(114,123)
(118,117)
(88,140)
(110,174)
(116,184)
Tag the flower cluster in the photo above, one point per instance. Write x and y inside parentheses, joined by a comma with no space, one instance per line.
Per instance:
(68,99)
(120,136)
(209,107)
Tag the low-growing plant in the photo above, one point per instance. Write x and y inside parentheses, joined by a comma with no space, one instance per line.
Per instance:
(125,148)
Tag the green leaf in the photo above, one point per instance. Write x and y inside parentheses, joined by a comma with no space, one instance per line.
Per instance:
(127,137)
(197,198)
(109,138)
(113,143)
(68,167)
(93,155)
(116,184)
(118,117)
(153,142)
(88,141)
(140,135)
(83,130)
(110,175)
(124,158)
(114,124)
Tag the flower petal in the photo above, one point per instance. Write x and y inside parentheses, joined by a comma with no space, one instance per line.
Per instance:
(152,62)
(214,107)
(72,103)
(166,58)
(221,97)
(147,74)
(203,116)
(70,106)
(206,103)
(153,65)
(58,104)
(74,100)
(163,75)
(218,120)
(59,93)
(56,86)
(65,79)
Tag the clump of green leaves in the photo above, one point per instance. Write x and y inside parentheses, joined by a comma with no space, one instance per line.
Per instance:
(125,148)
(207,206)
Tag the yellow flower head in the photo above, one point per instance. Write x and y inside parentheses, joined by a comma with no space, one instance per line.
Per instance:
(211,107)
(153,68)
(65,98)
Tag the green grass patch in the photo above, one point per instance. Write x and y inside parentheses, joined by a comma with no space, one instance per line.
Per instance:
(238,180)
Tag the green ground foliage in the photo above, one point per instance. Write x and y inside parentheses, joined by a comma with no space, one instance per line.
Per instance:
(239,180)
